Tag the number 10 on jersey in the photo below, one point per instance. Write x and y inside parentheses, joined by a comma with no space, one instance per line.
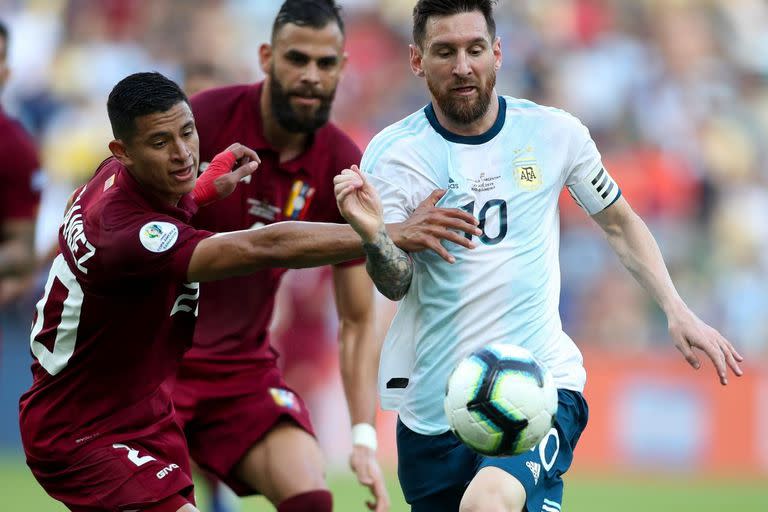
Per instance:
(486,210)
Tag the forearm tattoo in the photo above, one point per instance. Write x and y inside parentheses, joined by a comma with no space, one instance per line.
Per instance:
(390,267)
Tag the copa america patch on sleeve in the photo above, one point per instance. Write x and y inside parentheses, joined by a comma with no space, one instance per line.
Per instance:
(596,192)
(158,236)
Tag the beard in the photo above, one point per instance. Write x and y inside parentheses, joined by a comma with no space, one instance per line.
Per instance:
(296,121)
(464,110)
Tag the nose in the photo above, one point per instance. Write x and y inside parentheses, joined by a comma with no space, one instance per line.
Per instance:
(462,67)
(311,73)
(181,151)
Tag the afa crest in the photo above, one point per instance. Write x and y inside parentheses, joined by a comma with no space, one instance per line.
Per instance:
(528,175)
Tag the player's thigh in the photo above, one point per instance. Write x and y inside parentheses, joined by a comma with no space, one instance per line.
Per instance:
(493,490)
(243,409)
(538,471)
(433,470)
(286,462)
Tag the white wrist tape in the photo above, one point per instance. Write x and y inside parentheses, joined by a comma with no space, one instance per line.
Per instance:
(364,434)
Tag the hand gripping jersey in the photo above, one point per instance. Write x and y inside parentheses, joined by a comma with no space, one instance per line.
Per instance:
(505,290)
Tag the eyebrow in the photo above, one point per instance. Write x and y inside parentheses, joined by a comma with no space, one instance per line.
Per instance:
(478,40)
(168,133)
(293,53)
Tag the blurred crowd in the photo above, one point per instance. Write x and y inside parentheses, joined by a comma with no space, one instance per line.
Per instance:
(675,93)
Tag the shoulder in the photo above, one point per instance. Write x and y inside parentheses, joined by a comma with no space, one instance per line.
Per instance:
(334,140)
(529,111)
(220,98)
(16,144)
(398,138)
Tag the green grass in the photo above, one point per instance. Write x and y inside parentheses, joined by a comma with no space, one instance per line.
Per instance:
(19,492)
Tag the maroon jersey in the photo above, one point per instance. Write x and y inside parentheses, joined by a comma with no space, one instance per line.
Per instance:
(235,313)
(114,320)
(19,172)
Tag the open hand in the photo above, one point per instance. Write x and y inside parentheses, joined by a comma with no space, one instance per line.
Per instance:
(689,332)
(363,462)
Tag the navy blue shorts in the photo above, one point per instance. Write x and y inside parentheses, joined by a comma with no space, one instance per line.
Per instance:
(434,471)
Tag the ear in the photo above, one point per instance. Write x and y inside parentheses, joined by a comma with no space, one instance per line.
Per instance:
(344,59)
(497,53)
(118,149)
(415,60)
(265,58)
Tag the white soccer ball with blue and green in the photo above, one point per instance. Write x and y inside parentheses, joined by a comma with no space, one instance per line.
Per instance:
(500,400)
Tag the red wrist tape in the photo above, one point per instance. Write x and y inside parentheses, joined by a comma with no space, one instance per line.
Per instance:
(205,188)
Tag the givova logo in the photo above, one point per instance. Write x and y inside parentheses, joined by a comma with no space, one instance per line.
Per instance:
(167,469)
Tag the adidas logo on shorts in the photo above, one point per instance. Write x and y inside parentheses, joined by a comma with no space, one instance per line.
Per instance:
(535,468)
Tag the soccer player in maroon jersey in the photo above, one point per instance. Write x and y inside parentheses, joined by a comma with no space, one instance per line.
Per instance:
(19,194)
(121,300)
(243,422)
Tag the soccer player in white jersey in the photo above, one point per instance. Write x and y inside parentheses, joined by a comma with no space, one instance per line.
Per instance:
(505,160)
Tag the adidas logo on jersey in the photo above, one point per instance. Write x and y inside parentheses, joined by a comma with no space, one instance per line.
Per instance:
(452,184)
(535,468)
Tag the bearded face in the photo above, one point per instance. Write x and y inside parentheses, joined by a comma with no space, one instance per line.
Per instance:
(459,57)
(300,109)
(463,100)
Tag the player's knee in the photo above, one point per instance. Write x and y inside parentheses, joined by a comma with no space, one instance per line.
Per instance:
(493,490)
(492,501)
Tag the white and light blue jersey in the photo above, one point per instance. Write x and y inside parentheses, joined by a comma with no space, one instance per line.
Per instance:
(506,289)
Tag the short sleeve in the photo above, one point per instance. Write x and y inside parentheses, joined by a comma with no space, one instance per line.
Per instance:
(588,182)
(156,246)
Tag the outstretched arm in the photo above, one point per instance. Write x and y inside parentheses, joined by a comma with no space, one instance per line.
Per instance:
(310,244)
(283,244)
(633,242)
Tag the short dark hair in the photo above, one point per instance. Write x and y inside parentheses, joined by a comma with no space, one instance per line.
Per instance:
(425,9)
(137,95)
(307,13)
(5,37)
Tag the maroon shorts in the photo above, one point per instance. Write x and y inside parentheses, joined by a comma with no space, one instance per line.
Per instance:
(134,474)
(225,409)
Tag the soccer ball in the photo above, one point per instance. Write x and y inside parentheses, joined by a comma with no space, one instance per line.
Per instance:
(500,400)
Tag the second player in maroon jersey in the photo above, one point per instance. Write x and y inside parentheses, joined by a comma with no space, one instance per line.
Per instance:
(230,396)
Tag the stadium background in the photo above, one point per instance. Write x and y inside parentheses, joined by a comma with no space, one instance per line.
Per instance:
(675,92)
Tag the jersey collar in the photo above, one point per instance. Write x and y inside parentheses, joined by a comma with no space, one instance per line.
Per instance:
(494,130)
(183,211)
